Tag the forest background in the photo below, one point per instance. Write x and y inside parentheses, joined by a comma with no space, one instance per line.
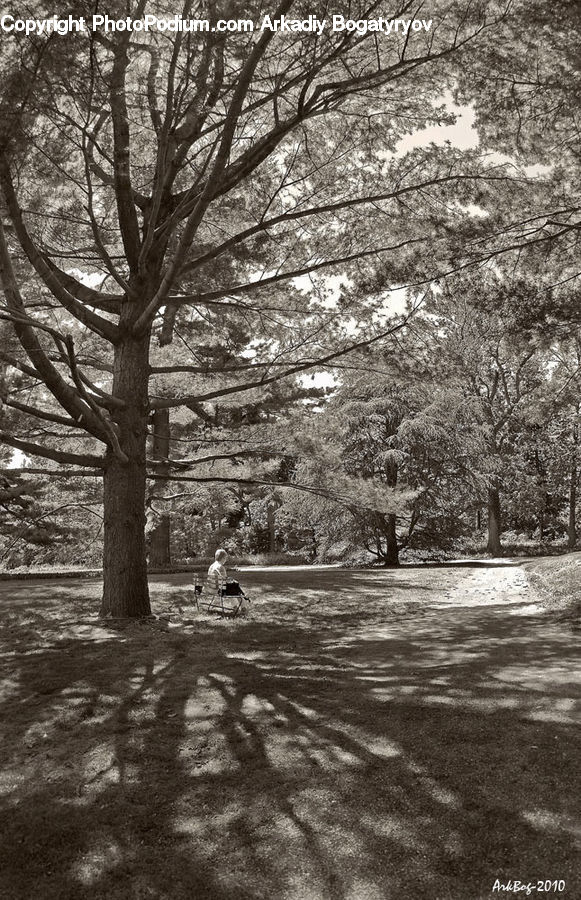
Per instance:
(315,298)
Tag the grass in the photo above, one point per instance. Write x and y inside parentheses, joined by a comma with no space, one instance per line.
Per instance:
(364,735)
(557,581)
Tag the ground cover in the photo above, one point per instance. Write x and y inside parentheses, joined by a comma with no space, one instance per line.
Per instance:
(557,580)
(363,735)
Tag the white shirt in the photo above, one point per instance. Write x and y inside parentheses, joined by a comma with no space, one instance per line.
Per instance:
(216,575)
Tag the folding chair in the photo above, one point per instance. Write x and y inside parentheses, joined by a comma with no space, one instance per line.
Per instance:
(198,588)
(226,601)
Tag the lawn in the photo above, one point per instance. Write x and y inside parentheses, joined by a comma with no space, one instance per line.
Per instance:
(363,735)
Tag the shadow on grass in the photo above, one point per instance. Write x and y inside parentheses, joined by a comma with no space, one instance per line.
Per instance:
(299,754)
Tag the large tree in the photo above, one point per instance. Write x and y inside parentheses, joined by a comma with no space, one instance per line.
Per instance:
(152,178)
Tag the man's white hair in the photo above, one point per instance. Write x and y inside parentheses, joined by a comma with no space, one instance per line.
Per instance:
(220,555)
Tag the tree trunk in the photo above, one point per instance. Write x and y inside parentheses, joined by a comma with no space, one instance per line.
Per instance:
(572,526)
(391,554)
(271,523)
(125,588)
(160,536)
(160,542)
(494,524)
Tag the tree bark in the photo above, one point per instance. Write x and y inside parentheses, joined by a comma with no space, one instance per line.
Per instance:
(494,523)
(391,555)
(541,471)
(271,522)
(572,524)
(125,588)
(273,503)
(160,542)
(160,536)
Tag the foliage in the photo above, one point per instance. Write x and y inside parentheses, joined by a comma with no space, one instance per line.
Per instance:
(174,207)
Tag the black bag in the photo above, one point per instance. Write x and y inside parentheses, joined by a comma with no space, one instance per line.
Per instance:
(232,589)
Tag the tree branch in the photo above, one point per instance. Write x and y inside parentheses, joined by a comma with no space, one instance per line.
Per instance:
(66,395)
(127,213)
(40,414)
(347,203)
(75,459)
(292,370)
(250,286)
(48,272)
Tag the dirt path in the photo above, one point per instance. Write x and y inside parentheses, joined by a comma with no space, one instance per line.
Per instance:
(363,736)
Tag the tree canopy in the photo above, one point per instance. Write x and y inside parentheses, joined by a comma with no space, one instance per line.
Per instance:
(194,217)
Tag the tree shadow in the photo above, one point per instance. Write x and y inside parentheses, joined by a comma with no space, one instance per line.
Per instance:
(416,757)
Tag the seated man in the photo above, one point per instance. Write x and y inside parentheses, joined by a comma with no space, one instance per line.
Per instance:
(217,576)
(217,571)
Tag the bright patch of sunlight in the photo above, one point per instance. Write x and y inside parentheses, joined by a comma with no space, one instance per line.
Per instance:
(369,743)
(77,690)
(250,655)
(206,703)
(545,820)
(564,710)
(209,830)
(382,748)
(526,609)
(256,707)
(305,711)
(218,766)
(488,705)
(100,767)
(10,686)
(439,793)
(96,862)
(187,826)
(286,752)
(345,757)
(332,759)
(373,633)
(536,677)
(542,709)
(228,684)
(10,781)
(393,828)
(360,887)
(281,569)
(217,676)
(376,679)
